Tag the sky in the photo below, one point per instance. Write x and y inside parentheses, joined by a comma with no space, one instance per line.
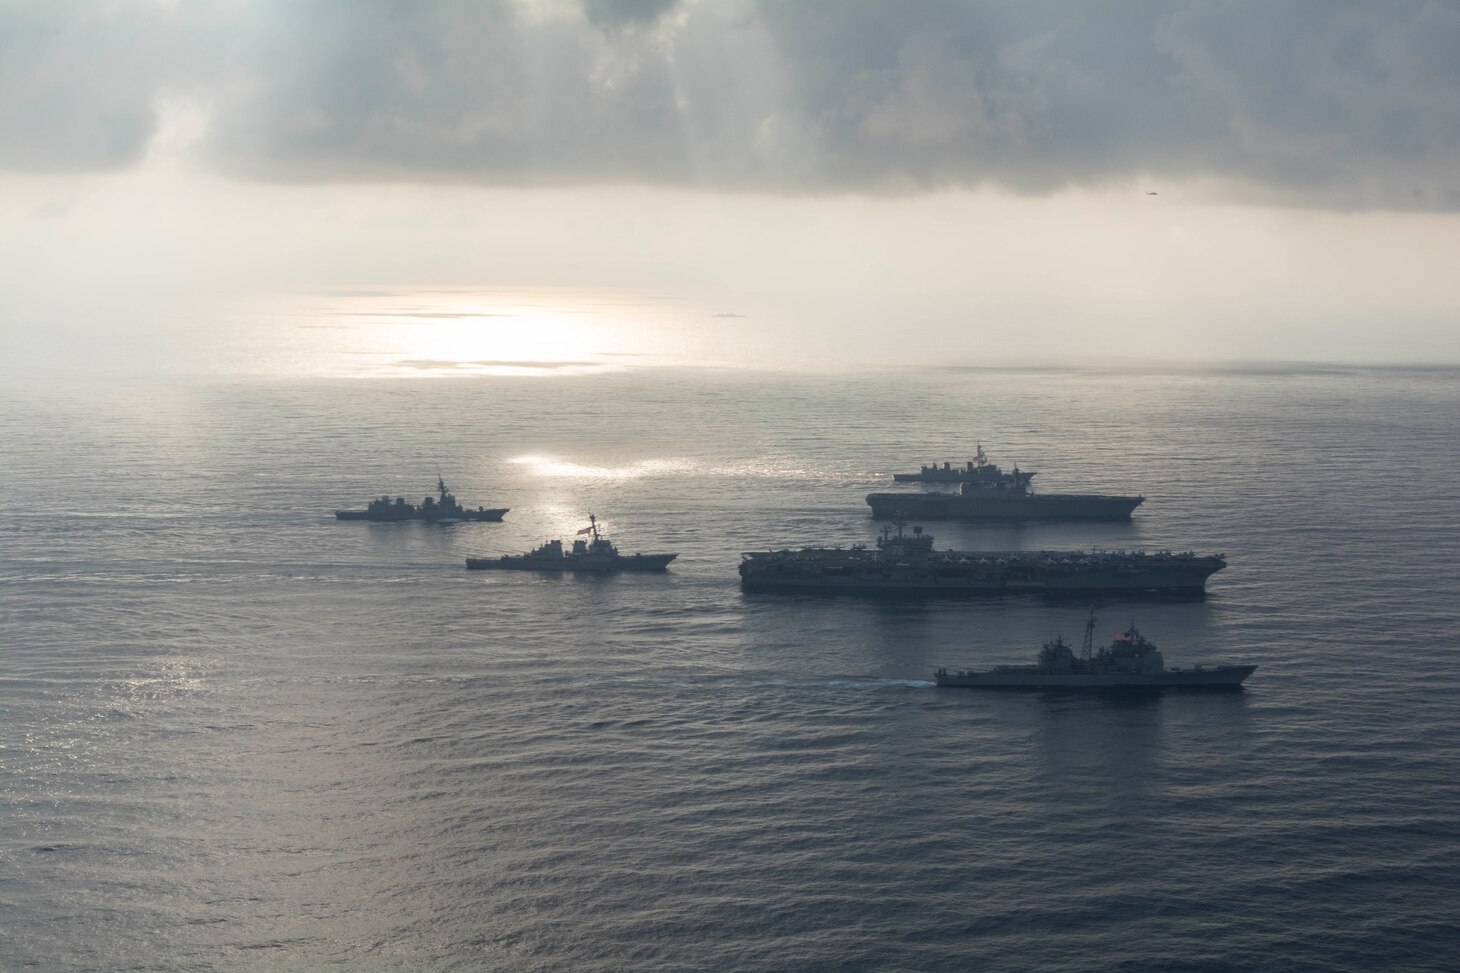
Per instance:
(802,182)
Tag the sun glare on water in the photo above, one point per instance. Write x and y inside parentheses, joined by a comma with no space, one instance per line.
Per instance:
(551,467)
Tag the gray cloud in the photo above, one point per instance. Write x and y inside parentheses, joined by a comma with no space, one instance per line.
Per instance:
(1339,103)
(619,13)
(74,92)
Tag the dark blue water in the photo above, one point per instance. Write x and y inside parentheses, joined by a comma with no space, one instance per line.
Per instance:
(241,735)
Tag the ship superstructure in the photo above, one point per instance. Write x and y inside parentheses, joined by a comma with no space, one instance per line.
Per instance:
(976,470)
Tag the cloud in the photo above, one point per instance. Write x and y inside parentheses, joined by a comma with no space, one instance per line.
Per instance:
(494,363)
(75,89)
(620,13)
(448,315)
(1335,103)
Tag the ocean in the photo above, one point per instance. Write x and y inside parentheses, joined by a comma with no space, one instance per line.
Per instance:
(241,735)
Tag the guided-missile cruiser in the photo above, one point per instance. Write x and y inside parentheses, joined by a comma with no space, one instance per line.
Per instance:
(1130,661)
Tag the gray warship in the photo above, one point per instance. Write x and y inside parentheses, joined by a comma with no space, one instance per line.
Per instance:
(1129,662)
(442,510)
(906,563)
(990,494)
(598,556)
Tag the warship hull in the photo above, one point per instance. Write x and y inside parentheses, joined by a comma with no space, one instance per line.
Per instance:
(955,573)
(393,518)
(958,475)
(589,565)
(1213,678)
(1042,506)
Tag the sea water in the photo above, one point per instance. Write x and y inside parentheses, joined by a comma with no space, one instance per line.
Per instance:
(239,734)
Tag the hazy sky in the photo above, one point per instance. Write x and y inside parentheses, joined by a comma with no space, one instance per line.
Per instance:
(924,181)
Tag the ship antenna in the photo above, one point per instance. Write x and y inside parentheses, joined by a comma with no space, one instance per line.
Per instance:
(1089,632)
(593,523)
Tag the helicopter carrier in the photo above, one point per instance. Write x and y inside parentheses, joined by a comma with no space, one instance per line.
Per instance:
(906,563)
(598,556)
(442,509)
(1129,662)
(988,493)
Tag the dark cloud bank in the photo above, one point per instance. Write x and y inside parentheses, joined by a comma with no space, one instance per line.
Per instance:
(1337,103)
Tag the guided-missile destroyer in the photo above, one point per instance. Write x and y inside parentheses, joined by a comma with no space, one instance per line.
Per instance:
(1129,662)
(598,556)
(442,510)
(906,563)
(988,493)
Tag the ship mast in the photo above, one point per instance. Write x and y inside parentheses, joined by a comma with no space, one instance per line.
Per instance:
(1089,633)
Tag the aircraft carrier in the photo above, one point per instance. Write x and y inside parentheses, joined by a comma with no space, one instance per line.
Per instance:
(906,563)
(987,493)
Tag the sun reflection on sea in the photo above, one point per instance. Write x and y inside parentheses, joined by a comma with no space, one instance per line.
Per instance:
(552,467)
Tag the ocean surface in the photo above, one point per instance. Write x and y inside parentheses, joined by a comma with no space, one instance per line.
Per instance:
(240,735)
